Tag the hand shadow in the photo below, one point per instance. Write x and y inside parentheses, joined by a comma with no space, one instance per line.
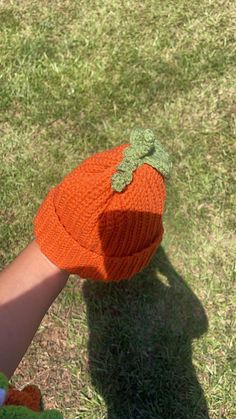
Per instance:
(140,344)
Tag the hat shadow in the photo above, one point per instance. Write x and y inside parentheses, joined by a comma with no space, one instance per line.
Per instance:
(140,343)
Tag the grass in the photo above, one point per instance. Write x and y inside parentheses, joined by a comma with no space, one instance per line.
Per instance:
(75,77)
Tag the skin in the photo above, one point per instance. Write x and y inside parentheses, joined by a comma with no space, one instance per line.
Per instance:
(28,287)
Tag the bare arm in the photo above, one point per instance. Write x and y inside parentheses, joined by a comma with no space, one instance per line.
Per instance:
(28,286)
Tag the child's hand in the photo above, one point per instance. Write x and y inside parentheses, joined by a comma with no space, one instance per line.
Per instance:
(28,286)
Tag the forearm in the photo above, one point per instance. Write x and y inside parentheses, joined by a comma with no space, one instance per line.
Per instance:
(28,286)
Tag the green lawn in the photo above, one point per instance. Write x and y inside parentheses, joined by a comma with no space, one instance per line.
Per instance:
(75,77)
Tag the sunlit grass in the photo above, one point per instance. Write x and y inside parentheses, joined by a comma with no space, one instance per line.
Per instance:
(75,77)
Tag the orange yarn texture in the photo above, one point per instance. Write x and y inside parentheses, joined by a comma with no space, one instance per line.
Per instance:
(86,228)
(29,397)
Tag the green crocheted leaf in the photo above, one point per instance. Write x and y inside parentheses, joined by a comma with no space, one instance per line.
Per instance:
(3,381)
(21,412)
(144,148)
(3,388)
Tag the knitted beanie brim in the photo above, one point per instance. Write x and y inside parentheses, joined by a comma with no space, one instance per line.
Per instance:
(68,254)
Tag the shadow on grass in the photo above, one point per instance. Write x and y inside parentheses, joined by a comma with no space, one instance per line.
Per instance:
(140,344)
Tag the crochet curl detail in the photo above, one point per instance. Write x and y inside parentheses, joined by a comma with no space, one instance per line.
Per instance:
(144,148)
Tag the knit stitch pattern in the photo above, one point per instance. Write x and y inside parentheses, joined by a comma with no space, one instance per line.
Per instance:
(29,397)
(86,227)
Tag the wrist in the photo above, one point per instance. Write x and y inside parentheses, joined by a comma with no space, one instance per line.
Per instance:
(45,265)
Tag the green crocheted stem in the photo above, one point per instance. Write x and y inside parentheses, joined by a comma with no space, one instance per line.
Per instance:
(144,148)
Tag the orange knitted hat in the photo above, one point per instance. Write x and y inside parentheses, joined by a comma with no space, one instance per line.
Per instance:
(104,220)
